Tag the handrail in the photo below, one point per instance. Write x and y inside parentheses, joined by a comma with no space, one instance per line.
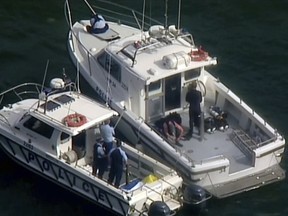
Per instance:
(163,179)
(161,195)
(20,94)
(185,35)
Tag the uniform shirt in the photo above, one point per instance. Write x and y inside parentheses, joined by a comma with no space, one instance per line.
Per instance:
(118,157)
(107,133)
(98,151)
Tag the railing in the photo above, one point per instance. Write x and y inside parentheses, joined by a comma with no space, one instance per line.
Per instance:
(116,13)
(17,93)
(153,42)
(115,16)
(211,159)
(21,90)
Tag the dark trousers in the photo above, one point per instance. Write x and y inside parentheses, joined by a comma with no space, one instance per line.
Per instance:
(194,120)
(108,146)
(101,165)
(115,173)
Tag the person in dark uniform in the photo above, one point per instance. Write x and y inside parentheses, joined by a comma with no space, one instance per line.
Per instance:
(194,98)
(118,161)
(99,160)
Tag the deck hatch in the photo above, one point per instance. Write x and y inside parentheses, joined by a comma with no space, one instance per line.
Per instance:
(64,99)
(50,106)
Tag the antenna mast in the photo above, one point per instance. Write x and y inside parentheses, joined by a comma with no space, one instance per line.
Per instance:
(143,15)
(166,15)
(179,14)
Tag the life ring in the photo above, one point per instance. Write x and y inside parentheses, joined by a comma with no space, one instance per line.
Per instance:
(199,55)
(75,120)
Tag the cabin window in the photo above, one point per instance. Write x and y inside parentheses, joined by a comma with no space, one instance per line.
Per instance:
(39,127)
(155,88)
(64,137)
(191,74)
(110,65)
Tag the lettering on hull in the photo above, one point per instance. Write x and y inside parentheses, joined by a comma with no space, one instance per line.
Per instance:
(65,176)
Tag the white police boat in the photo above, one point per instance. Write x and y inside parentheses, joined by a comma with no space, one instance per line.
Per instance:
(52,131)
(144,72)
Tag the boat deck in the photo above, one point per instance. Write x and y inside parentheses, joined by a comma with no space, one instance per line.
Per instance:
(212,145)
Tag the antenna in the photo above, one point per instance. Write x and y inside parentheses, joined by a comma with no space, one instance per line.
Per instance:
(166,15)
(42,95)
(44,78)
(179,14)
(143,15)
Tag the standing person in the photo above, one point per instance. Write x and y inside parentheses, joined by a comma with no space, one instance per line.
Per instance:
(99,160)
(194,98)
(107,132)
(118,161)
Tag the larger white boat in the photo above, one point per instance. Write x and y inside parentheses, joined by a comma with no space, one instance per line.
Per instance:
(144,75)
(52,131)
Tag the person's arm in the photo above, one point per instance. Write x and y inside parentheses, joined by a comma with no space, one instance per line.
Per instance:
(180,130)
(187,97)
(113,131)
(200,96)
(165,129)
(124,158)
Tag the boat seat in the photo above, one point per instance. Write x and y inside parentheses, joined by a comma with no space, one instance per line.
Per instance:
(109,35)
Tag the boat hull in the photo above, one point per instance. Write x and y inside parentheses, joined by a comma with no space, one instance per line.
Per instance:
(141,82)
(60,174)
(222,185)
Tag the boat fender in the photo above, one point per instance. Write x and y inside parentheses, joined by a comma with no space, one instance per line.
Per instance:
(70,156)
(75,120)
(159,208)
(194,198)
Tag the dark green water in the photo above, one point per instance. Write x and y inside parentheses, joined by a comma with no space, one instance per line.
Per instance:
(249,38)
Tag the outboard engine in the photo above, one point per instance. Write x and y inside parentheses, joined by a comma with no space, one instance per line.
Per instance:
(194,198)
(159,208)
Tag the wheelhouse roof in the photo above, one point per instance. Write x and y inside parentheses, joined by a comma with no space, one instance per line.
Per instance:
(148,59)
(148,62)
(58,106)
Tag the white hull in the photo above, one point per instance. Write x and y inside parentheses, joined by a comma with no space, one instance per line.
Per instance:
(34,133)
(225,162)
(61,174)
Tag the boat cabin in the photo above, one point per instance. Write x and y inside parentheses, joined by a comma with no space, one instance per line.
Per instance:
(146,76)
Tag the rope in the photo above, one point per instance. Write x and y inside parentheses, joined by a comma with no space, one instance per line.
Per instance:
(138,134)
(119,118)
